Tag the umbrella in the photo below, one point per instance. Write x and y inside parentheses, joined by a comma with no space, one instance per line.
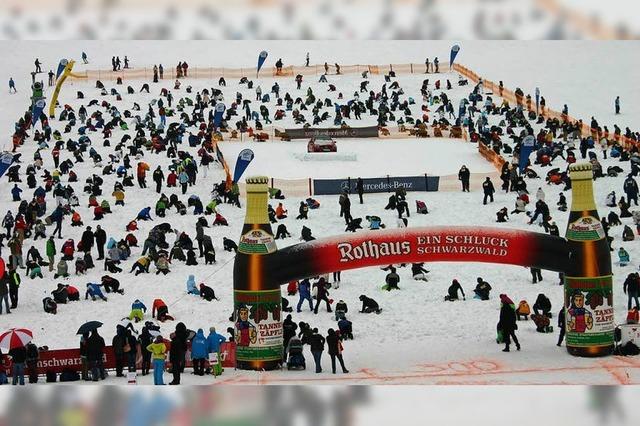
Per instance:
(15,338)
(89,326)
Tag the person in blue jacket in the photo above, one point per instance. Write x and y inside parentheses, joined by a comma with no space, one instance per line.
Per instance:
(304,290)
(138,309)
(145,214)
(191,286)
(15,192)
(214,340)
(94,291)
(199,352)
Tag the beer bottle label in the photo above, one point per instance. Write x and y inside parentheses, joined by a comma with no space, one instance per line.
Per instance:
(589,312)
(258,327)
(586,228)
(257,241)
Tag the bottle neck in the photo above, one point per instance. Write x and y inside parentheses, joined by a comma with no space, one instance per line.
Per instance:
(582,195)
(257,201)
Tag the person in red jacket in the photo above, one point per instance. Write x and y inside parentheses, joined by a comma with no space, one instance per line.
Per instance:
(68,249)
(74,294)
(172,179)
(292,288)
(161,311)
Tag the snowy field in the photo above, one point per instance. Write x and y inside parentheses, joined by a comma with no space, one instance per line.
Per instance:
(418,339)
(289,160)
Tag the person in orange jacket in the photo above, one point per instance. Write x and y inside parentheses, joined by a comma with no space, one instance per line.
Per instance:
(142,174)
(281,212)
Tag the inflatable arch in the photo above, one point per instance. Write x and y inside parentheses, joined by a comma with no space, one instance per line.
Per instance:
(260,268)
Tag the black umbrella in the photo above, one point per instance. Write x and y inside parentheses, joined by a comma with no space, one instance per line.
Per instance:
(89,326)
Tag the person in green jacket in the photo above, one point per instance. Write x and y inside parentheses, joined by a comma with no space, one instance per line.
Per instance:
(51,252)
(158,352)
(235,194)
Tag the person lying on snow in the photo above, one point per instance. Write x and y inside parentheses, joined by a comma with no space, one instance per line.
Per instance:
(419,272)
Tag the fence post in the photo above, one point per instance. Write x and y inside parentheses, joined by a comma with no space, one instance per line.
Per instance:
(310,188)
(411,68)
(388,184)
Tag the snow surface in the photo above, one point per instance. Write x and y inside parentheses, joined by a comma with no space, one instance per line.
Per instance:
(418,338)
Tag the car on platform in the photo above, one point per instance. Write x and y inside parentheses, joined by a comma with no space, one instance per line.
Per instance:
(322,144)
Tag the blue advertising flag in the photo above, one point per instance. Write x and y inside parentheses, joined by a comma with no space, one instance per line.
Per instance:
(244,158)
(526,149)
(454,52)
(261,58)
(61,66)
(36,112)
(5,162)
(217,116)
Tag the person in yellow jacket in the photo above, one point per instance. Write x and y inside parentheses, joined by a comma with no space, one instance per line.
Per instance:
(141,265)
(158,352)
(119,196)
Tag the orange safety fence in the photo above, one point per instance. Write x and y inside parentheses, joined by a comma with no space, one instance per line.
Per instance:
(512,98)
(214,73)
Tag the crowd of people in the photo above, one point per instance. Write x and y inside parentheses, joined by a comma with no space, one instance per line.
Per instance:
(182,133)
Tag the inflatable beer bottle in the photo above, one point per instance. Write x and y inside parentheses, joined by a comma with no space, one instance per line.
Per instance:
(588,281)
(256,298)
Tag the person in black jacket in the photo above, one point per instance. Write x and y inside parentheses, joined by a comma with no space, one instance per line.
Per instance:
(118,343)
(145,340)
(207,293)
(369,305)
(487,187)
(303,211)
(158,177)
(392,279)
(482,289)
(95,351)
(631,288)
(335,351)
(316,341)
(61,294)
(32,362)
(288,331)
(507,322)
(463,175)
(229,245)
(101,239)
(536,274)
(542,304)
(87,240)
(561,326)
(360,189)
(18,358)
(178,352)
(321,295)
(452,292)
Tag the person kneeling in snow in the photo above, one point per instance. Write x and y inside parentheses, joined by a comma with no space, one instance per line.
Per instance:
(94,291)
(49,306)
(141,265)
(207,293)
(161,311)
(623,257)
(138,309)
(191,286)
(369,305)
(230,245)
(220,220)
(111,285)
